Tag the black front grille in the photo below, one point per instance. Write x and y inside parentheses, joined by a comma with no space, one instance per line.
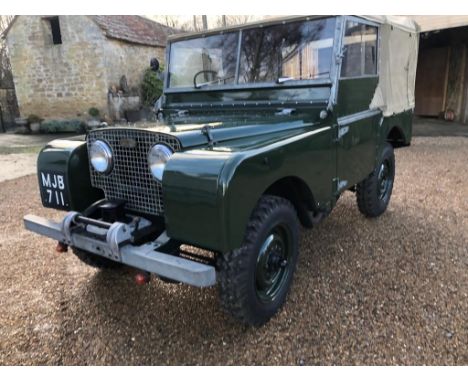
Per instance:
(130,178)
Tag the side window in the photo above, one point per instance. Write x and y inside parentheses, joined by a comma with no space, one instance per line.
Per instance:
(370,49)
(360,50)
(352,46)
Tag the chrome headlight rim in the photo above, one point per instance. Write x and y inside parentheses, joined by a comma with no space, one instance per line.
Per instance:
(158,156)
(105,149)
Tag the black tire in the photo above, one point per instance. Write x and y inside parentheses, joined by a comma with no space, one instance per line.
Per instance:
(269,250)
(96,261)
(373,193)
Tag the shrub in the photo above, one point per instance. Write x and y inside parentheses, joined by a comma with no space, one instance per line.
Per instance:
(33,118)
(93,112)
(65,126)
(151,87)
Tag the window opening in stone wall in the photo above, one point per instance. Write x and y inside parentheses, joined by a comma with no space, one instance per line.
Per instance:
(55,27)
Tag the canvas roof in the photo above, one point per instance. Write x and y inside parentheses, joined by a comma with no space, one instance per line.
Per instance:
(400,22)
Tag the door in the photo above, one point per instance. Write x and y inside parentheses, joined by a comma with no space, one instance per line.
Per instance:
(357,128)
(431,81)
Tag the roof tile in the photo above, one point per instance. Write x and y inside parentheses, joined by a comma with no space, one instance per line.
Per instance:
(134,29)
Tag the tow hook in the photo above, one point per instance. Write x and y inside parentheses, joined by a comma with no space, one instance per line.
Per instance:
(61,248)
(142,278)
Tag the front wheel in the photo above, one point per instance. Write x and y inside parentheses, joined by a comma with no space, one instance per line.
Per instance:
(373,193)
(254,280)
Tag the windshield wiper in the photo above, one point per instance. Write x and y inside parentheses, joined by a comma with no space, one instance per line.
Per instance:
(282,80)
(218,80)
(203,84)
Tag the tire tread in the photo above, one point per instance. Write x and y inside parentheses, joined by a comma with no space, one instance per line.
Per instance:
(368,203)
(234,266)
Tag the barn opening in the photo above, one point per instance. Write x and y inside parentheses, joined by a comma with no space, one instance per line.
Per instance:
(442,74)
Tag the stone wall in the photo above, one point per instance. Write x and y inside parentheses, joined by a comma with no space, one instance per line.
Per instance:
(65,80)
(130,60)
(54,81)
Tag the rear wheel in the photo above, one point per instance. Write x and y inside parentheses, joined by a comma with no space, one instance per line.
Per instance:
(254,280)
(373,193)
(95,261)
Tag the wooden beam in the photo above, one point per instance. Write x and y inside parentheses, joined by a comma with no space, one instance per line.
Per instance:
(444,101)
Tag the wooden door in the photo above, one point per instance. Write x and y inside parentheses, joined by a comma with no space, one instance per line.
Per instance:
(431,81)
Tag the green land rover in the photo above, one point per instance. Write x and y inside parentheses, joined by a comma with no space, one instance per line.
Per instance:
(262,127)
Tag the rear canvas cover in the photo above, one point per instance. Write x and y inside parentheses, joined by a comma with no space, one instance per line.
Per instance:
(398,62)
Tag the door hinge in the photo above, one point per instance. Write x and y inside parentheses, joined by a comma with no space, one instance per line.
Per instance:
(342,131)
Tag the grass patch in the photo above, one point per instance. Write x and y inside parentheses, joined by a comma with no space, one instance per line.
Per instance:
(20,150)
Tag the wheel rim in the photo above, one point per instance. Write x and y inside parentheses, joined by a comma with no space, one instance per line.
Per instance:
(384,180)
(273,264)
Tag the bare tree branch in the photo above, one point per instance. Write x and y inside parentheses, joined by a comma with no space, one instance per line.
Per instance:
(6,77)
(182,24)
(227,20)
(200,22)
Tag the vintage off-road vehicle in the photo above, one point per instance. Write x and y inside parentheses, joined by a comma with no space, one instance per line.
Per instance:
(263,127)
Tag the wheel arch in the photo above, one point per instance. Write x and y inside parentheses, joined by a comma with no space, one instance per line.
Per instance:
(300,195)
(396,136)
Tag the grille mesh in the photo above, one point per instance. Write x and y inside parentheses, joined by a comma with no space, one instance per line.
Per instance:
(131,179)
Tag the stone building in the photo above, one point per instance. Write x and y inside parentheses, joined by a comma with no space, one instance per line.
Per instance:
(64,65)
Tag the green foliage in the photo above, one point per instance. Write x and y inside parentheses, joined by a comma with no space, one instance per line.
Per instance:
(151,87)
(65,126)
(93,112)
(33,118)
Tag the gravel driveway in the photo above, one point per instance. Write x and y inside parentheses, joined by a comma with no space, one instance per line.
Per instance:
(18,153)
(388,291)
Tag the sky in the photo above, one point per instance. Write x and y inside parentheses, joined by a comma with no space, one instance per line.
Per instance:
(212,19)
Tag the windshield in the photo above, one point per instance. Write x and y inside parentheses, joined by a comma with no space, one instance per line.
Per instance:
(203,60)
(286,52)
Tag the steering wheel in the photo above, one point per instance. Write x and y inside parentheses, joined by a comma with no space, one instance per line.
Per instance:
(195,85)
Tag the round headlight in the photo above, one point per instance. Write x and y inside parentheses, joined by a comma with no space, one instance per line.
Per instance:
(157,159)
(100,155)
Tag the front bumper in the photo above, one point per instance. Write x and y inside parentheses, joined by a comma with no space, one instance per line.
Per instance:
(116,247)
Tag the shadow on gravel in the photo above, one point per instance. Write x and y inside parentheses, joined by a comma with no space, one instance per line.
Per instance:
(365,291)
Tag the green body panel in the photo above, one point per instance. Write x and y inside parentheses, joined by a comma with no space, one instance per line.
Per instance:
(403,122)
(357,151)
(355,95)
(307,156)
(209,194)
(241,128)
(191,197)
(70,157)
